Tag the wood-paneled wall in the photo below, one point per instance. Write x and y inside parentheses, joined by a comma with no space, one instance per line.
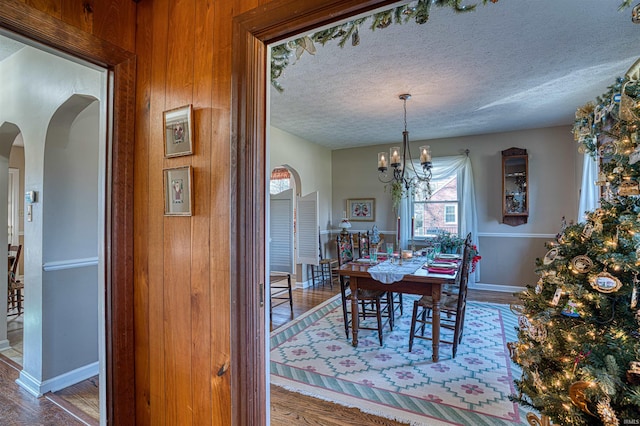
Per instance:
(182,290)
(113,21)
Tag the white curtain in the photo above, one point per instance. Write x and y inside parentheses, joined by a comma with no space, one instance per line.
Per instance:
(443,167)
(589,192)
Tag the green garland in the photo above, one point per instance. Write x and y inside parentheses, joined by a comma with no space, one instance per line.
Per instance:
(350,31)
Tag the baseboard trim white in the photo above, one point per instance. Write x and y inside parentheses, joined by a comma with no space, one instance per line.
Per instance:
(497,287)
(4,345)
(38,388)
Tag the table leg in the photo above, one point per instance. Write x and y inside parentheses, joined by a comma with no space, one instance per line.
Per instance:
(355,314)
(435,326)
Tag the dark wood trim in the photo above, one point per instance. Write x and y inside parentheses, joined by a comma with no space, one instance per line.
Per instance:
(35,25)
(252,31)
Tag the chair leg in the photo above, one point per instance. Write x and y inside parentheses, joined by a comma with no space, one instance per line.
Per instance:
(290,294)
(413,324)
(379,315)
(343,292)
(390,309)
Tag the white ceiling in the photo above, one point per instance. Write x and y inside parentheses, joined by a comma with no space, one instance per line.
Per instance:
(512,65)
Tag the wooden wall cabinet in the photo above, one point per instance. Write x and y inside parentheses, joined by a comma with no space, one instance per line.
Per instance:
(515,186)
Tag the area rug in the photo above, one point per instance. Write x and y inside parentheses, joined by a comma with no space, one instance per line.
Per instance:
(311,355)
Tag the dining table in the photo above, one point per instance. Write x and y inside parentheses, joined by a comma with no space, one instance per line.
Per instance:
(421,282)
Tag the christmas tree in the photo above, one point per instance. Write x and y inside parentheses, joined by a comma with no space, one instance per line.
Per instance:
(579,326)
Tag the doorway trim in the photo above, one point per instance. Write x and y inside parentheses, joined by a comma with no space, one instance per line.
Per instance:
(252,32)
(38,26)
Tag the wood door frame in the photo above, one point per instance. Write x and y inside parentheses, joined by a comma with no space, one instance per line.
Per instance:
(252,32)
(121,64)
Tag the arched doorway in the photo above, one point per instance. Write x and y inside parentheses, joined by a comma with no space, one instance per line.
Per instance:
(118,306)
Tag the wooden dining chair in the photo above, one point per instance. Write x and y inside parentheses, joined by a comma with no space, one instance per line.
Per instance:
(453,305)
(363,244)
(325,270)
(280,290)
(14,285)
(373,303)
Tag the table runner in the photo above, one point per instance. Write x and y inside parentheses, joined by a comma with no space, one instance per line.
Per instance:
(387,272)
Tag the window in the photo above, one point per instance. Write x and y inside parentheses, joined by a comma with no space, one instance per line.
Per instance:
(438,212)
(451,214)
(280,180)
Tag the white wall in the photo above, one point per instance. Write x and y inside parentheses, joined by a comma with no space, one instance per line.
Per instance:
(40,84)
(313,164)
(70,237)
(508,253)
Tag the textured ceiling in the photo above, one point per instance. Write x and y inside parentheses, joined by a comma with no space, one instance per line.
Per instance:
(512,65)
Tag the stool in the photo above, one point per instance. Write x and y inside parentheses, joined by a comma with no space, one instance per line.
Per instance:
(277,282)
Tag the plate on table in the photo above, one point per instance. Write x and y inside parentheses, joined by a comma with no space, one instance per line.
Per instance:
(448,265)
(448,256)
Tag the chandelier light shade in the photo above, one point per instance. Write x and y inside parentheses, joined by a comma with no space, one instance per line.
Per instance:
(404,174)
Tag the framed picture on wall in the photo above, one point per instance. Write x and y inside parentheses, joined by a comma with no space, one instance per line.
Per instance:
(361,209)
(178,131)
(178,191)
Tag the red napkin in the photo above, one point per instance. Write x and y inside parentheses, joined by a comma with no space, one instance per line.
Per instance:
(447,271)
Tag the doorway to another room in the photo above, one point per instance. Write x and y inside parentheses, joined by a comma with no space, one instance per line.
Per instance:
(54,319)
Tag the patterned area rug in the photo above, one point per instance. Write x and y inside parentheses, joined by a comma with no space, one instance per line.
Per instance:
(311,355)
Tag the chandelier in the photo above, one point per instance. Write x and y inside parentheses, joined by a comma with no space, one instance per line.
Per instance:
(404,172)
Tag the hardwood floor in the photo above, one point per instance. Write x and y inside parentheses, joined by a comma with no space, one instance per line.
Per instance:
(18,407)
(290,408)
(79,402)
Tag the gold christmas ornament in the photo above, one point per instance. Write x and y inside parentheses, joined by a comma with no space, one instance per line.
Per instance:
(582,264)
(537,332)
(604,282)
(586,110)
(607,415)
(551,256)
(534,420)
(629,187)
(587,230)
(537,381)
(578,398)
(633,373)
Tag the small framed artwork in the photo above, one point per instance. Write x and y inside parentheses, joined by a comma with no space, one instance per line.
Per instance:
(178,191)
(178,131)
(361,209)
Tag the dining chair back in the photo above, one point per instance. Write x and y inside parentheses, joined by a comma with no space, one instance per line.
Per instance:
(453,306)
(363,244)
(373,303)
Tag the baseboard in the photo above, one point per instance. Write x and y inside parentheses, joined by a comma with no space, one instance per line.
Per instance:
(497,287)
(38,388)
(4,345)
(303,284)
